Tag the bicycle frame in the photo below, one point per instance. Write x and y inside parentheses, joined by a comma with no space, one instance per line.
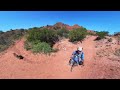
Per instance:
(72,63)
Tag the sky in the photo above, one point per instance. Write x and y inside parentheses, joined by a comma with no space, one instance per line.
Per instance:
(92,20)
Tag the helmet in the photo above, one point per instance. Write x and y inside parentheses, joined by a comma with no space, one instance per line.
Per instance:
(79,48)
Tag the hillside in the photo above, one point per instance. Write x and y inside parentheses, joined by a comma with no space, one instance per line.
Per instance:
(102,57)
(56,65)
(8,38)
(41,66)
(60,25)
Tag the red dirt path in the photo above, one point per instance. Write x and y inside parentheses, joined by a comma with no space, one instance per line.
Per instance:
(54,66)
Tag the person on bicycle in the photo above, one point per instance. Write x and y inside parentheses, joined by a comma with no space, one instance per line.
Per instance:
(78,56)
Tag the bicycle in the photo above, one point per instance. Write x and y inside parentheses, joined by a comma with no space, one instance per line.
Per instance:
(74,63)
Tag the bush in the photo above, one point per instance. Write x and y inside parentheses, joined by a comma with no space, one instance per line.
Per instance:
(63,33)
(41,40)
(101,35)
(77,34)
(8,38)
(3,47)
(49,36)
(33,35)
(91,33)
(41,47)
(27,45)
(116,33)
(43,35)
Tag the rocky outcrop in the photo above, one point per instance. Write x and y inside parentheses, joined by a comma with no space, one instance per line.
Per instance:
(60,25)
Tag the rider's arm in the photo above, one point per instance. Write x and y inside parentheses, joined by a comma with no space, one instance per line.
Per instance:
(72,55)
(82,57)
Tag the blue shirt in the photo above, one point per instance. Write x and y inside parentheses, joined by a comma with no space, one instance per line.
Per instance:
(78,56)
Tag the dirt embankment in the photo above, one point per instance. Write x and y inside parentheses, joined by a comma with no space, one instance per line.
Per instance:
(56,65)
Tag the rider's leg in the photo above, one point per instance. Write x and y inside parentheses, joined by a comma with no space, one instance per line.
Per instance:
(71,61)
(83,62)
(78,62)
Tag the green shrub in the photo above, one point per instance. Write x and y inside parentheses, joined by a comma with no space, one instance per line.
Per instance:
(3,47)
(9,37)
(91,33)
(41,47)
(63,33)
(43,35)
(33,35)
(77,34)
(49,36)
(27,45)
(101,34)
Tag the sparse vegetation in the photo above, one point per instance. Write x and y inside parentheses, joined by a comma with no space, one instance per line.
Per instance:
(8,38)
(118,39)
(1,32)
(41,40)
(91,33)
(117,34)
(27,45)
(41,47)
(77,34)
(3,47)
(101,34)
(63,33)
(43,35)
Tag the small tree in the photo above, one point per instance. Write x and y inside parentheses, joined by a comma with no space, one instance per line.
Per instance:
(77,34)
(48,36)
(33,35)
(63,33)
(42,47)
(43,35)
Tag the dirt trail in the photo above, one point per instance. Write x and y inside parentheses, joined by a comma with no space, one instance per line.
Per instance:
(42,66)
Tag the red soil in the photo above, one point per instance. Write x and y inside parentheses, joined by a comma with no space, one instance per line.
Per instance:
(56,65)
